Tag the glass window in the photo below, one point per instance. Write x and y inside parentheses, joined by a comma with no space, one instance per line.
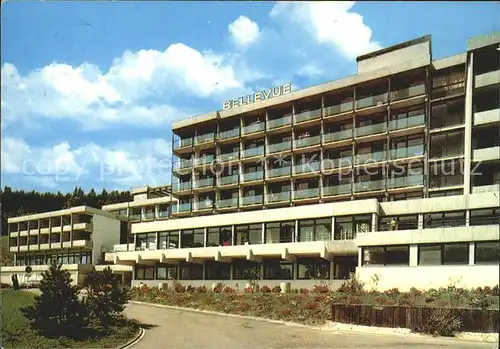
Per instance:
(279,232)
(313,268)
(219,236)
(243,269)
(168,240)
(277,269)
(191,271)
(397,255)
(192,238)
(315,230)
(485,216)
(429,254)
(217,271)
(166,272)
(446,219)
(248,234)
(456,254)
(486,252)
(144,273)
(346,228)
(398,223)
(373,256)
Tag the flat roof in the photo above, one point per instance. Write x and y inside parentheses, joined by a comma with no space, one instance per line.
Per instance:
(57,213)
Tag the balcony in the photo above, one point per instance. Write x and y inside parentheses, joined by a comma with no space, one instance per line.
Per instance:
(229,156)
(183,164)
(207,137)
(338,109)
(330,164)
(412,121)
(150,215)
(407,181)
(486,188)
(307,115)
(487,79)
(253,176)
(251,200)
(378,156)
(279,147)
(407,152)
(281,122)
(409,92)
(369,186)
(306,142)
(372,101)
(254,128)
(227,203)
(252,152)
(204,160)
(486,154)
(203,205)
(309,167)
(337,136)
(181,186)
(341,189)
(229,134)
(203,183)
(181,208)
(371,129)
(278,172)
(183,143)
(228,180)
(278,197)
(306,194)
(487,117)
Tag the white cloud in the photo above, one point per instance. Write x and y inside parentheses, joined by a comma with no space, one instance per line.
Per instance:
(243,31)
(330,22)
(310,71)
(124,163)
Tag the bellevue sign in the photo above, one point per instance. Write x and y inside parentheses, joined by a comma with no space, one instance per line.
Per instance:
(258,96)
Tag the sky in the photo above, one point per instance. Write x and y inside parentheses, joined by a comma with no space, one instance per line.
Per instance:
(89,89)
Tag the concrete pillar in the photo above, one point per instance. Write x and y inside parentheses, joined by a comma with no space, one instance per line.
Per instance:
(469,90)
(263,234)
(332,232)
(472,253)
(374,222)
(420,223)
(360,257)
(413,255)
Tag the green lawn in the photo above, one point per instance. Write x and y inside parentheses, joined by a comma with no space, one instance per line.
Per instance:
(14,332)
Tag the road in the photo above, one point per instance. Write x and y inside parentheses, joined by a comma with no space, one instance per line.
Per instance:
(176,329)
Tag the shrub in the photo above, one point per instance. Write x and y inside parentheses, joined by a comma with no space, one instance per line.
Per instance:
(353,300)
(249,290)
(190,289)
(284,313)
(304,291)
(321,289)
(265,289)
(353,286)
(179,288)
(276,289)
(482,302)
(381,300)
(201,289)
(15,282)
(393,292)
(429,299)
(311,306)
(218,288)
(228,289)
(57,311)
(243,307)
(495,291)
(295,290)
(415,292)
(443,322)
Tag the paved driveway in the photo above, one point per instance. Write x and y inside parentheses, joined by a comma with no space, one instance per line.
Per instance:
(175,329)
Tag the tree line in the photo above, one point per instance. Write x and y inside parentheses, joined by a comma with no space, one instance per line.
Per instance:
(20,202)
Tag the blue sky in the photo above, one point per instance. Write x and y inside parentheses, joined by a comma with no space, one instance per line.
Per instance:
(89,89)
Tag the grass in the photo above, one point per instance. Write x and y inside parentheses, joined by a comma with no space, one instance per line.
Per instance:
(15,332)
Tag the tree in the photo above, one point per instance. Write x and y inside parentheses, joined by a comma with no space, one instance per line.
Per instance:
(106,296)
(57,311)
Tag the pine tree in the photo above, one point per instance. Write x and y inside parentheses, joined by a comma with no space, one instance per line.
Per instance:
(57,311)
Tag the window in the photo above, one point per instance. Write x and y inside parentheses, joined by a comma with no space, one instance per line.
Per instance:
(386,255)
(315,229)
(313,268)
(486,252)
(279,232)
(245,270)
(277,269)
(398,223)
(447,144)
(166,272)
(219,236)
(192,238)
(168,239)
(443,220)
(452,253)
(485,216)
(346,228)
(248,234)
(144,272)
(217,271)
(145,242)
(191,271)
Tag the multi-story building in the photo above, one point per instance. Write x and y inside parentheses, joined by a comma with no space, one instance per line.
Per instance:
(376,172)
(74,237)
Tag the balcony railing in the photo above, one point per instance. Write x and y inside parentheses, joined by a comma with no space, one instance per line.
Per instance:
(254,128)
(371,129)
(307,141)
(412,121)
(181,143)
(407,181)
(278,197)
(251,200)
(229,134)
(371,101)
(251,152)
(337,190)
(134,217)
(329,164)
(339,108)
(204,160)
(369,185)
(450,89)
(312,166)
(229,156)
(227,180)
(337,136)
(207,137)
(227,203)
(203,183)
(408,92)
(407,152)
(253,176)
(149,215)
(203,205)
(308,115)
(163,214)
(306,193)
(181,186)
(278,172)
(278,147)
(276,123)
(183,163)
(371,157)
(180,208)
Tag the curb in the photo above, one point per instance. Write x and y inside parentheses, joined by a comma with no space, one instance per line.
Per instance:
(316,328)
(133,341)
